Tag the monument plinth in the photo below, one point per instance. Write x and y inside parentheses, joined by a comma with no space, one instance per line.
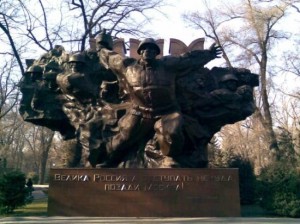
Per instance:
(144,192)
(149,110)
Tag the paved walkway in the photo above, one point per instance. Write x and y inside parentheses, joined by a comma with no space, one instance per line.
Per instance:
(83,220)
(38,191)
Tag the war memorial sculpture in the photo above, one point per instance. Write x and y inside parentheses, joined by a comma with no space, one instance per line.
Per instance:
(142,111)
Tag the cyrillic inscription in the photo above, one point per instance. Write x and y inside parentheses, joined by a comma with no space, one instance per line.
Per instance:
(142,183)
(143,187)
(73,177)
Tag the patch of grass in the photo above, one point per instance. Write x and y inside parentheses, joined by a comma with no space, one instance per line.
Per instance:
(254,210)
(37,208)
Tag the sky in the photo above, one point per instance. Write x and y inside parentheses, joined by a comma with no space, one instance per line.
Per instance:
(172,25)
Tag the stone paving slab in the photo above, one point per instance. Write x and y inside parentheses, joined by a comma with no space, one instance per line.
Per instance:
(119,220)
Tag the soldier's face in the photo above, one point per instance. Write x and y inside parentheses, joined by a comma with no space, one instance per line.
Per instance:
(36,76)
(148,53)
(76,66)
(231,85)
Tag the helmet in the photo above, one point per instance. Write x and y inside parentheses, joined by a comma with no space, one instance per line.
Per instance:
(52,65)
(57,50)
(34,69)
(148,41)
(105,39)
(229,77)
(78,57)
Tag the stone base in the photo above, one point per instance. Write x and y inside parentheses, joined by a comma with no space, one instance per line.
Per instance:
(144,192)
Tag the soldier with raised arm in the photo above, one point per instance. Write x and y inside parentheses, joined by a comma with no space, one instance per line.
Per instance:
(150,83)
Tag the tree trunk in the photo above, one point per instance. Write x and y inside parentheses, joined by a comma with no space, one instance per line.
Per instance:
(267,120)
(46,140)
(43,166)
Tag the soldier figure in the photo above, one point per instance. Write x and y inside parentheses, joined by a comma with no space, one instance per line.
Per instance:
(150,83)
(28,85)
(124,112)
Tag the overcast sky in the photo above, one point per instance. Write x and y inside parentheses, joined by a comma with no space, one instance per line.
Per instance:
(173,25)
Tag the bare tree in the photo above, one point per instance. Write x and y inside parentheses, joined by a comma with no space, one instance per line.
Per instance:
(39,140)
(288,122)
(117,16)
(11,140)
(291,60)
(39,28)
(250,41)
(249,142)
(9,94)
(8,19)
(210,23)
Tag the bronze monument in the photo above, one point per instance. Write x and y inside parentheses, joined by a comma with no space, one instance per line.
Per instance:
(149,112)
(143,111)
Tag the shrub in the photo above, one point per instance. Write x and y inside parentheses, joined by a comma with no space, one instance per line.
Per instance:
(13,193)
(286,204)
(279,189)
(247,178)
